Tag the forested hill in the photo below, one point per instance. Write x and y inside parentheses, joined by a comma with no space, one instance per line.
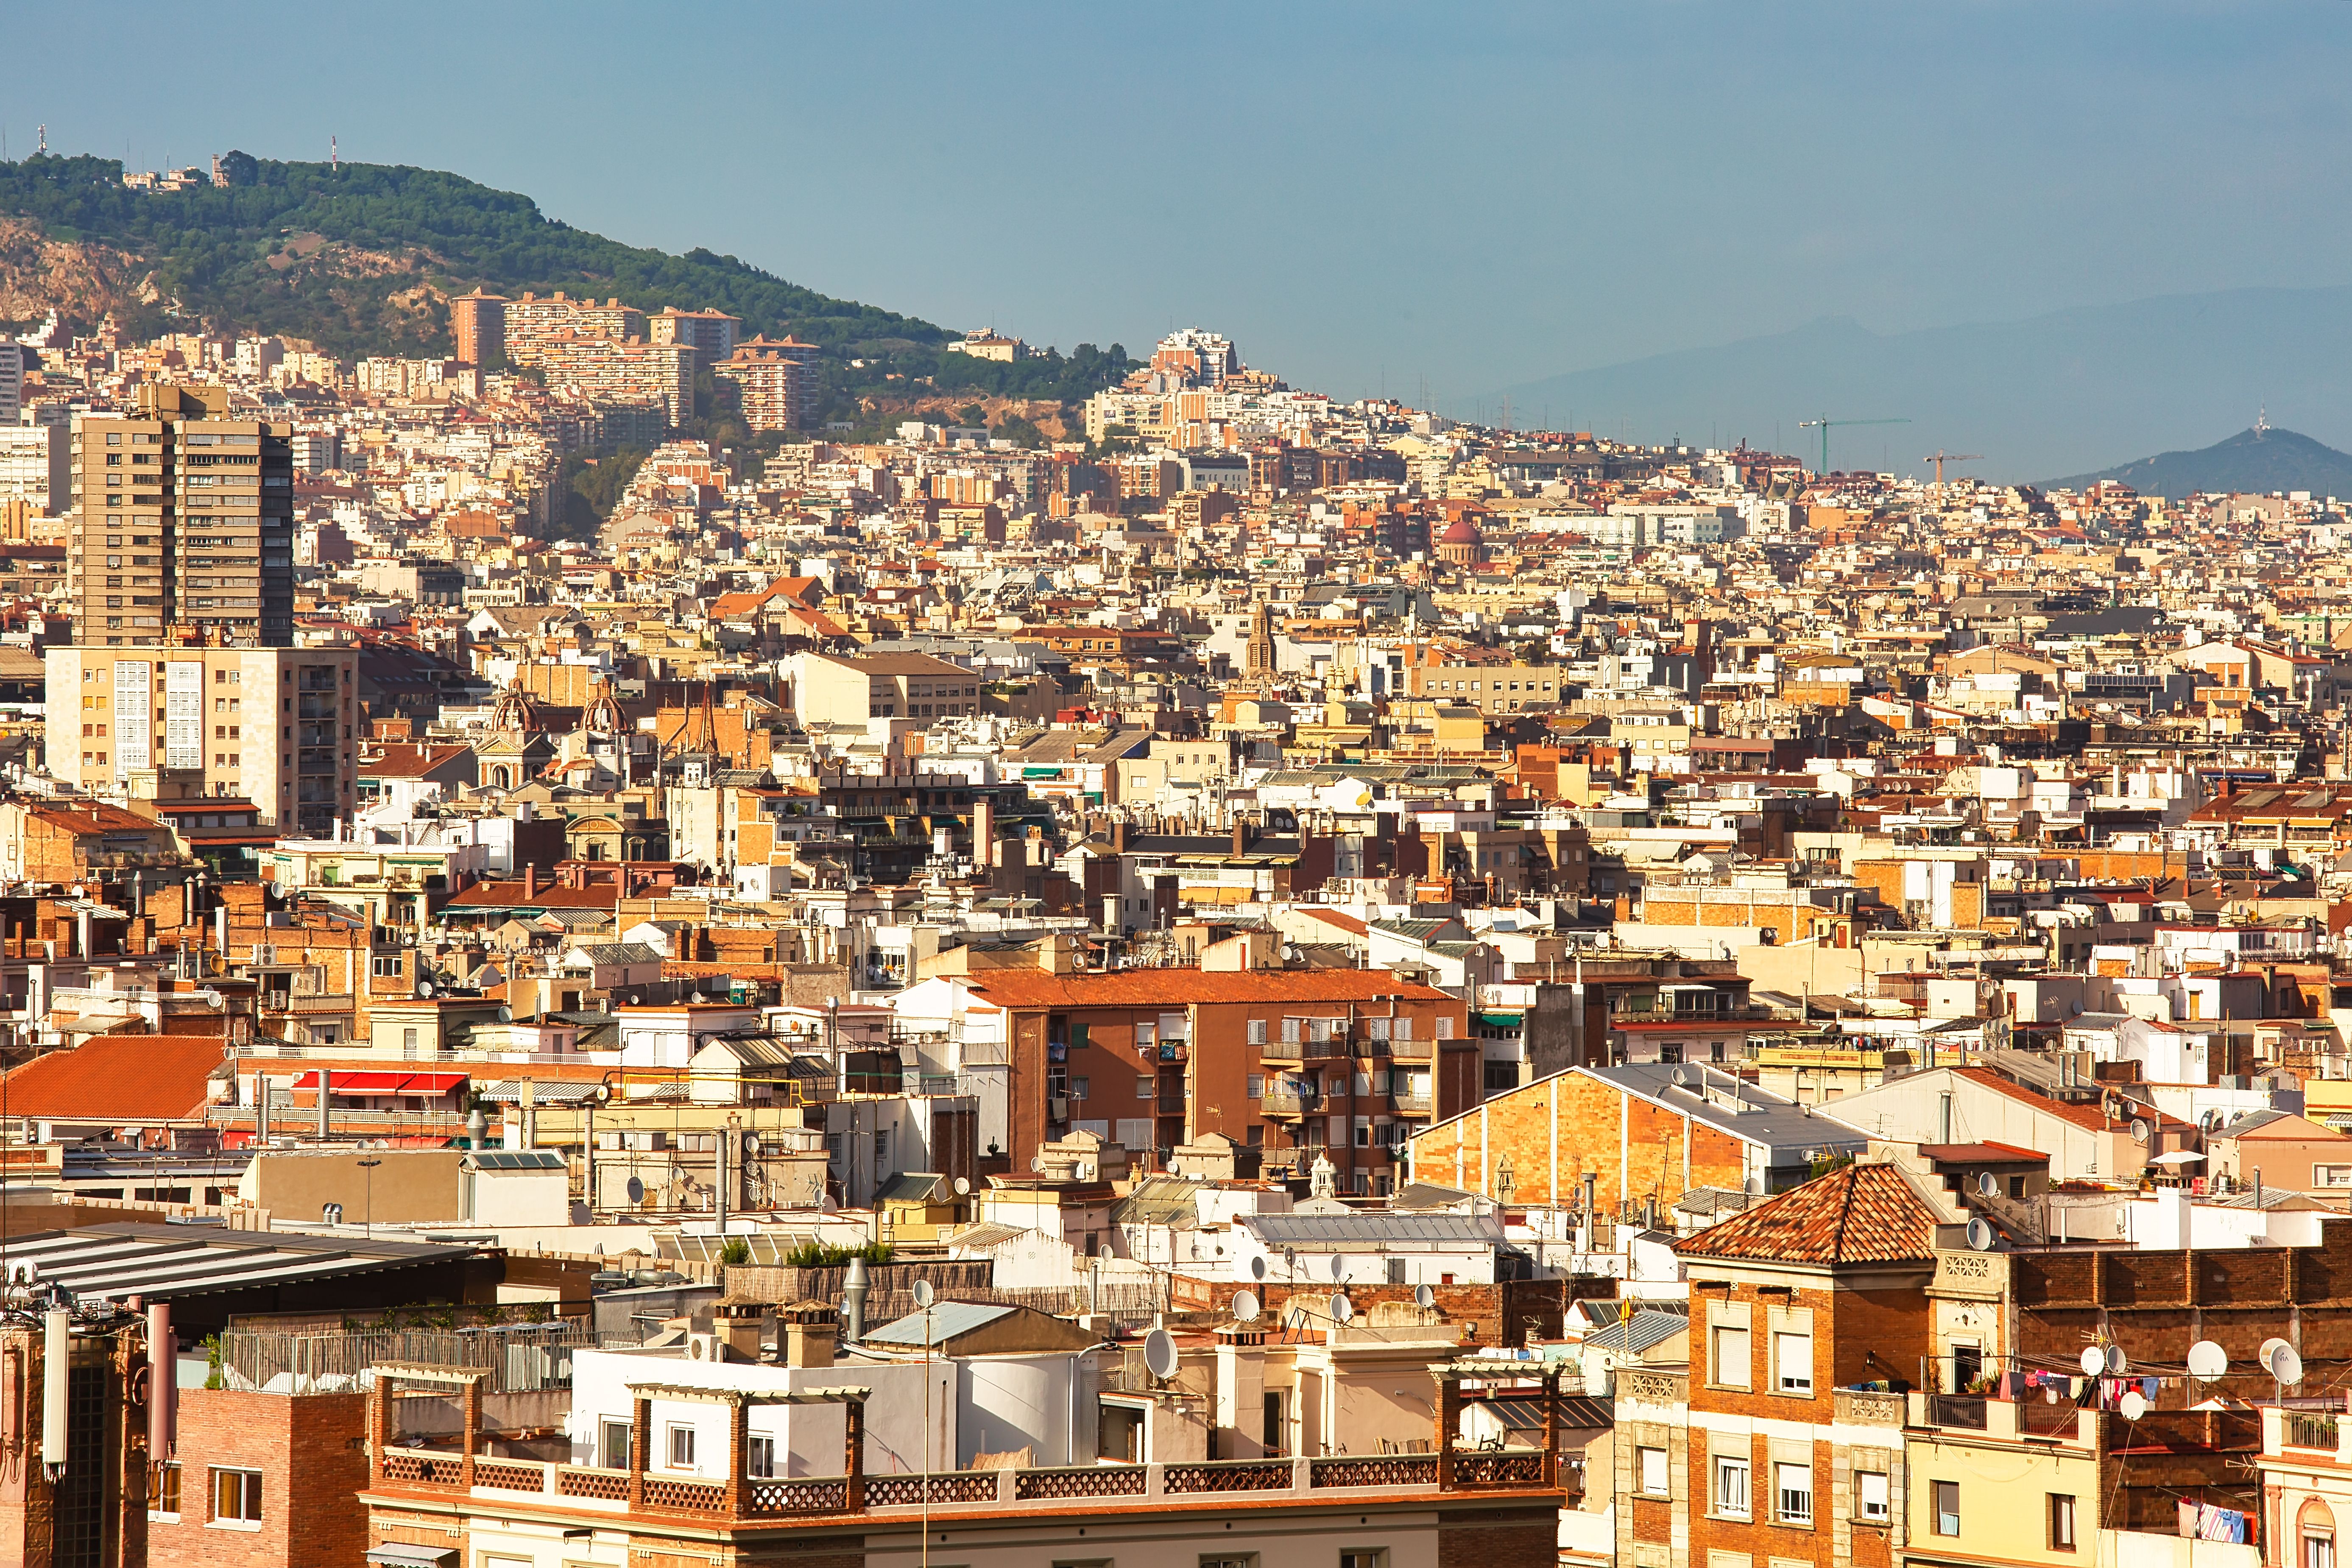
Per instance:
(360,259)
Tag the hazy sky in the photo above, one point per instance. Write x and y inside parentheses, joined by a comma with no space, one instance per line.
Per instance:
(1449,197)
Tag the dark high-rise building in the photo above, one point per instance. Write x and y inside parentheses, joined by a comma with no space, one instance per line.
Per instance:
(183,524)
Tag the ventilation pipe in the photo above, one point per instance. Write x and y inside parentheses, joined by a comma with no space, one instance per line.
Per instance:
(56,1364)
(162,1383)
(853,1301)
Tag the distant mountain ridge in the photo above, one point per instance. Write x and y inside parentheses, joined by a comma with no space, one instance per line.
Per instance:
(2256,460)
(2055,393)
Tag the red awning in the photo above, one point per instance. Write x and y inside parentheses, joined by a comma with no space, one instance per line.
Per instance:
(384,1082)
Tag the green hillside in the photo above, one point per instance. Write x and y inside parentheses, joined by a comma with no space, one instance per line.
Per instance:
(2256,461)
(359,261)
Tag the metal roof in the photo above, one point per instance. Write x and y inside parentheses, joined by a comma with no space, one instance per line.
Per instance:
(168,1262)
(950,1321)
(1713,1097)
(1369,1232)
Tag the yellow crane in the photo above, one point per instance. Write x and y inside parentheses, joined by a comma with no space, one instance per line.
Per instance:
(1940,457)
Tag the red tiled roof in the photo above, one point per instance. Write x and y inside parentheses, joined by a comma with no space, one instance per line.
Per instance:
(117,1079)
(1175,987)
(1347,923)
(510,896)
(1864,1214)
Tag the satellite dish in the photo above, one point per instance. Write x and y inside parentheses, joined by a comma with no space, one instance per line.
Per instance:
(1339,1267)
(1988,1185)
(1424,1297)
(963,1186)
(1257,1268)
(505,1013)
(2118,1362)
(924,1294)
(2208,1361)
(2131,1406)
(425,988)
(1342,1309)
(1245,1307)
(2286,1366)
(1159,1355)
(2094,1361)
(1980,1232)
(1036,1165)
(637,1190)
(2141,1131)
(2269,1352)
(752,1145)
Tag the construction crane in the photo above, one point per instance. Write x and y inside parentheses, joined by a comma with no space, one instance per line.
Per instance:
(1825,422)
(1940,457)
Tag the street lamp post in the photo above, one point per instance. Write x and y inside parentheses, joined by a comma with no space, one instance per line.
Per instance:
(368,1213)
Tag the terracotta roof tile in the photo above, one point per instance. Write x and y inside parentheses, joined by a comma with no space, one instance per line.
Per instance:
(118,1078)
(1864,1214)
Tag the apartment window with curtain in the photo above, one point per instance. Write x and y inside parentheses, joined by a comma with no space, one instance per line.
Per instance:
(1650,1471)
(1947,1507)
(2319,1550)
(1731,1487)
(2062,1522)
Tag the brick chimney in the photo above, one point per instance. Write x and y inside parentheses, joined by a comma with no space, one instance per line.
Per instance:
(530,879)
(1241,836)
(735,1324)
(810,1331)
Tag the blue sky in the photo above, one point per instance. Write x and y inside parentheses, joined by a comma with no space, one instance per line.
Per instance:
(1455,198)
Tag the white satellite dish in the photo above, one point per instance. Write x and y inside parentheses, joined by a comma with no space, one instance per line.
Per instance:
(2286,1364)
(1980,1235)
(2141,1131)
(2094,1361)
(1988,1185)
(963,1186)
(1342,1309)
(2269,1352)
(2118,1362)
(1036,1164)
(924,1294)
(1257,1268)
(1245,1307)
(2131,1406)
(1339,1267)
(2208,1361)
(637,1190)
(1159,1355)
(1424,1297)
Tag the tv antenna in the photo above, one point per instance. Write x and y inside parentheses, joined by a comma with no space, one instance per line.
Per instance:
(2262,419)
(335,156)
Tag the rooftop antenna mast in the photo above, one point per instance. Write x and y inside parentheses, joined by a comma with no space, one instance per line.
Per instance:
(2262,419)
(335,156)
(43,150)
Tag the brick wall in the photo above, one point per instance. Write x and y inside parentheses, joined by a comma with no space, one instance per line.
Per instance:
(1635,1149)
(1497,1538)
(306,1450)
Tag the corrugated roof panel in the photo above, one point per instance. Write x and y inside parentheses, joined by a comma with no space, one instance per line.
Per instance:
(950,1320)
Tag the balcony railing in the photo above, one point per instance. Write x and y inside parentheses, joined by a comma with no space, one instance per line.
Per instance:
(1302,1050)
(591,1488)
(2308,1430)
(1409,1103)
(1289,1102)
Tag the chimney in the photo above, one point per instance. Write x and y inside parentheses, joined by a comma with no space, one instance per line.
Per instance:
(1118,837)
(810,1333)
(530,879)
(736,1325)
(1241,836)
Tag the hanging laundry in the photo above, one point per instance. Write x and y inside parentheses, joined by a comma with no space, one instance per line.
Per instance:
(2188,1519)
(2221,1524)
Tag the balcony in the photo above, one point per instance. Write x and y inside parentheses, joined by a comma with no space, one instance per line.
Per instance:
(1302,1050)
(1290,1104)
(1407,1050)
(1413,1102)
(2004,1418)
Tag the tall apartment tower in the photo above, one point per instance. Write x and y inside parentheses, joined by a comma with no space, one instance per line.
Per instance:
(182,525)
(478,328)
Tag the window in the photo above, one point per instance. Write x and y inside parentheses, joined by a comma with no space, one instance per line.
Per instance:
(237,1497)
(1731,1358)
(1078,1087)
(1947,1507)
(1872,1503)
(681,1447)
(1793,1363)
(1230,1559)
(2331,1175)
(1365,1557)
(1146,1037)
(1793,1488)
(1650,1471)
(1143,1089)
(2319,1552)
(1257,1031)
(1731,1487)
(2062,1522)
(760,1458)
(1257,1086)
(167,1500)
(612,1453)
